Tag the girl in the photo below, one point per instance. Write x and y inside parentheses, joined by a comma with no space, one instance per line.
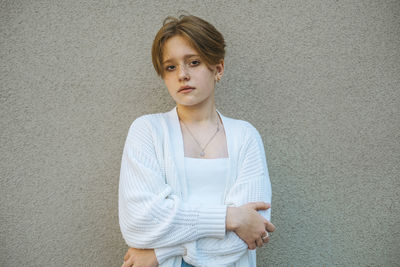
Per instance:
(194,186)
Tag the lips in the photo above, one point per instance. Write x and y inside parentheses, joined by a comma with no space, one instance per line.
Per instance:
(185,87)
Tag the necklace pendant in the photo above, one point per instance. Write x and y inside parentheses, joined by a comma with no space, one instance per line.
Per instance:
(202,154)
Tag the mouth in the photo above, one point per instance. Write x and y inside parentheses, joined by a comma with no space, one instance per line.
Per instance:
(185,89)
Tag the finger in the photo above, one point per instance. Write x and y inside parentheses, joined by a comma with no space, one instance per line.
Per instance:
(253,246)
(126,257)
(261,205)
(128,263)
(266,239)
(269,226)
(259,242)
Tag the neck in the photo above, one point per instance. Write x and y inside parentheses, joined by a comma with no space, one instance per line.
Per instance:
(203,114)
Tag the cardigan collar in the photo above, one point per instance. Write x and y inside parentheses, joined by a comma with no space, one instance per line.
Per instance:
(179,152)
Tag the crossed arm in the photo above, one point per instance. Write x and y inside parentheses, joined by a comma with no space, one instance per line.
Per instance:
(226,254)
(168,227)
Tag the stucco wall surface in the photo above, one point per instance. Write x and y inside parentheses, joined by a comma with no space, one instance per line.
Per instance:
(320,80)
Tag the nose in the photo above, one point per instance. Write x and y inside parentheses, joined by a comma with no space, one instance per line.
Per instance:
(183,73)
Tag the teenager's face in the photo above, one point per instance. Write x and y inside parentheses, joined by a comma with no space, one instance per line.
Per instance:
(184,67)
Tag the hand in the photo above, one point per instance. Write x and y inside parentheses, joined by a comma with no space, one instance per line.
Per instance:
(248,224)
(140,258)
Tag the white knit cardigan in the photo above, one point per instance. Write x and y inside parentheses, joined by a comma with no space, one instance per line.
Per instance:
(152,186)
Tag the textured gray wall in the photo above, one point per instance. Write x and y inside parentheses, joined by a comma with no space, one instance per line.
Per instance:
(320,80)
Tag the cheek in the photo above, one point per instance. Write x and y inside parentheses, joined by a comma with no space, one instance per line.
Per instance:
(170,86)
(206,77)
(167,82)
(210,80)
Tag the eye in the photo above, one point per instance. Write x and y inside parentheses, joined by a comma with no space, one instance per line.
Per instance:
(170,68)
(195,62)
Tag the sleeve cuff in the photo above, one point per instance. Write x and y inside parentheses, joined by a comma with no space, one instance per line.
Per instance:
(211,221)
(166,252)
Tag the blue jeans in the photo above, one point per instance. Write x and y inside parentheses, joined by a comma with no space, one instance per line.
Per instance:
(185,264)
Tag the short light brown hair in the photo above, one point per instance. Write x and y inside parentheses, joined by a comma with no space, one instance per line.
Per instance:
(203,36)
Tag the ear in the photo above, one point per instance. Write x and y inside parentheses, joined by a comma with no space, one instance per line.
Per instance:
(219,70)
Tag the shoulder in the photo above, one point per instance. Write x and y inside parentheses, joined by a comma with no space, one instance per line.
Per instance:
(244,129)
(145,125)
(146,121)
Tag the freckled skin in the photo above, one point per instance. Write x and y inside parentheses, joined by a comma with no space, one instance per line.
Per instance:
(183,69)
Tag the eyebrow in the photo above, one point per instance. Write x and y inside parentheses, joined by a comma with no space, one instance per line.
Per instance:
(185,57)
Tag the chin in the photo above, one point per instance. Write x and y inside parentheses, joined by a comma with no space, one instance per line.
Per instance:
(191,101)
(185,103)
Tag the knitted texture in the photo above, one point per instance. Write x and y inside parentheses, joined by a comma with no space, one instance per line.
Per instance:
(152,185)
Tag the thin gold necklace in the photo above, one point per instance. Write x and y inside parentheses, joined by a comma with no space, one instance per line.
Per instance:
(202,153)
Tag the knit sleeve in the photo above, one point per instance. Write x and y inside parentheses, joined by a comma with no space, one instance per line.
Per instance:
(150,214)
(252,184)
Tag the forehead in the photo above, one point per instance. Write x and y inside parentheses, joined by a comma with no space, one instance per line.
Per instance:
(177,47)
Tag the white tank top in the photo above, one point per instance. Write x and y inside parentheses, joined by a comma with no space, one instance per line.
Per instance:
(205,179)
